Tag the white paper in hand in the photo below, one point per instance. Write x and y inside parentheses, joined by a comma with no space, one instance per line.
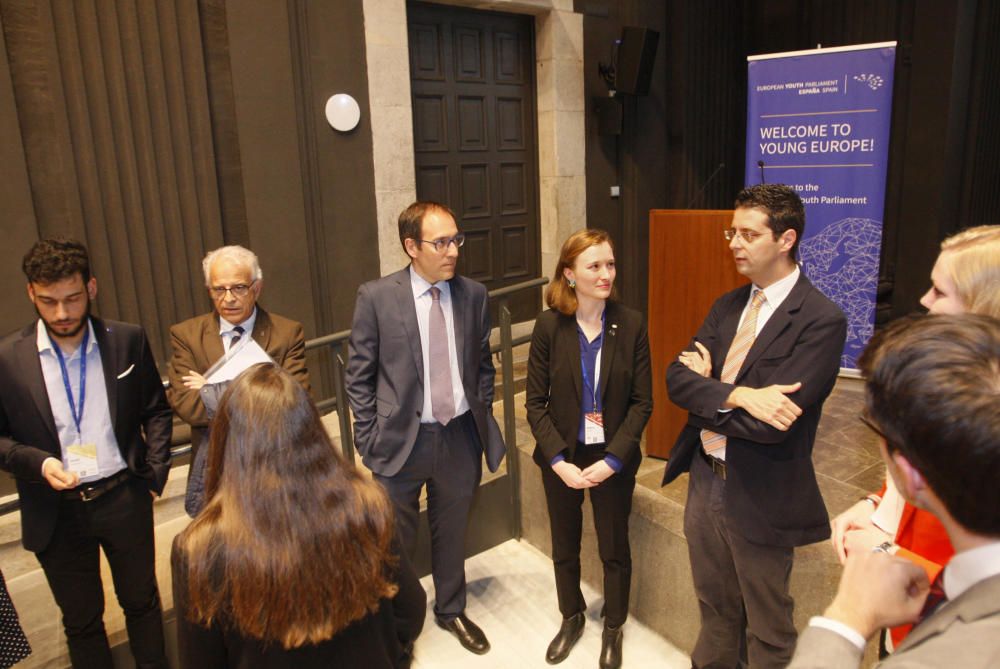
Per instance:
(246,354)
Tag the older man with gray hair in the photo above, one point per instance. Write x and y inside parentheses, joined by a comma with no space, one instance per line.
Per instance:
(234,281)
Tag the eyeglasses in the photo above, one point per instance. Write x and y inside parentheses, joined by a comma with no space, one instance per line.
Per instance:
(867,420)
(239,290)
(746,235)
(441,245)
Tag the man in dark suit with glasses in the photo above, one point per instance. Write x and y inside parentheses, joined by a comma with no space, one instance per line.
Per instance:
(753,382)
(420,383)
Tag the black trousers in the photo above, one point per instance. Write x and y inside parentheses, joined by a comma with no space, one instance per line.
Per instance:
(448,460)
(611,502)
(742,587)
(120,522)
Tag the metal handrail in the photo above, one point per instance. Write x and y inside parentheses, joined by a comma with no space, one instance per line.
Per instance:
(338,343)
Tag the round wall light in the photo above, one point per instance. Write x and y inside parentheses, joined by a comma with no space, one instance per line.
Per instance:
(343,112)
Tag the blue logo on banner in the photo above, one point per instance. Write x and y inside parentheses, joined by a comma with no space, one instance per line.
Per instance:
(819,122)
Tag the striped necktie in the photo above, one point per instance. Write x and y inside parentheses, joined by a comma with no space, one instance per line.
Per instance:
(237,335)
(713,442)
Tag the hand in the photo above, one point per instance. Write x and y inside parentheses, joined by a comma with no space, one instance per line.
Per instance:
(767,404)
(193,380)
(858,517)
(57,477)
(597,472)
(571,475)
(699,361)
(864,540)
(877,591)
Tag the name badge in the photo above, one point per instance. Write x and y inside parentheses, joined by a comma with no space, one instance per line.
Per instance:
(593,428)
(82,459)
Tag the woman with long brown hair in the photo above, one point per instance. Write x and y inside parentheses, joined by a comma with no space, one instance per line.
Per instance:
(589,395)
(292,562)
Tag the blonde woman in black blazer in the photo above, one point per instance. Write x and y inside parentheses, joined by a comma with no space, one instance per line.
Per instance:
(589,396)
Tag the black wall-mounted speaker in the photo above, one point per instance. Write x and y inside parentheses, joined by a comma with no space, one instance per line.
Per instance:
(635,60)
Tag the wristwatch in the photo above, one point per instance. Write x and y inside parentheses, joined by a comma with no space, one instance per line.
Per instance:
(884,547)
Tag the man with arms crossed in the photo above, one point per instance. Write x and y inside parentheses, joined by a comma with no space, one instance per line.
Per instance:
(420,383)
(932,388)
(234,281)
(85,429)
(754,381)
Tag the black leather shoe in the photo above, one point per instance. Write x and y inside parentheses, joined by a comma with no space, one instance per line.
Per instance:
(467,633)
(611,648)
(569,633)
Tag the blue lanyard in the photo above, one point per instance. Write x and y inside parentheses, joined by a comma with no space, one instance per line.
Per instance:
(583,369)
(77,412)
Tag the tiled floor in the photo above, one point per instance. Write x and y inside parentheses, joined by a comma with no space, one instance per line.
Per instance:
(512,597)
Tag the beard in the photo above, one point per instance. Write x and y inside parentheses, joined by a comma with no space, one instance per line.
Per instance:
(56,335)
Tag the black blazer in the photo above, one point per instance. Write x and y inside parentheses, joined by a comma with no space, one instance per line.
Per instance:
(771,489)
(139,412)
(555,382)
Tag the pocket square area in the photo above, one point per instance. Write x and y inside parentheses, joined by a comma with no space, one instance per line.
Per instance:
(126,372)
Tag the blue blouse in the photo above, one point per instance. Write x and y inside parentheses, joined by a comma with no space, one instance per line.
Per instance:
(590,400)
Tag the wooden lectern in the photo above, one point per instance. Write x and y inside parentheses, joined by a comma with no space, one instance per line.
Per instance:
(690,265)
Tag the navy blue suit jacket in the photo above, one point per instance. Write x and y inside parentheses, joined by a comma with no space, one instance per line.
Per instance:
(771,492)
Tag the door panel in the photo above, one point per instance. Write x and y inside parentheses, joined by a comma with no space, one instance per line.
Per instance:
(472,80)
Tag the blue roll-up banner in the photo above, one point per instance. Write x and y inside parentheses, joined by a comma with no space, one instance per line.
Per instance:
(819,122)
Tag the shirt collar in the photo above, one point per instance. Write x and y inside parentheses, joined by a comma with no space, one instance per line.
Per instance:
(780,289)
(44,342)
(970,567)
(247,325)
(420,285)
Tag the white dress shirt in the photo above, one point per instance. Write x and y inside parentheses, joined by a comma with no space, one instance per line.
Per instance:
(963,571)
(422,300)
(226,330)
(775,294)
(95,425)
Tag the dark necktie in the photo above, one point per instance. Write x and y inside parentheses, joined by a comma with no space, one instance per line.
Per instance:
(935,598)
(238,330)
(442,397)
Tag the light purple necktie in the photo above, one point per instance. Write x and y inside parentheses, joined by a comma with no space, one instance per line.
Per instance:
(442,397)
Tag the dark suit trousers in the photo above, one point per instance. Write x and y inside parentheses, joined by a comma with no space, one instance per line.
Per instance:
(742,587)
(448,460)
(611,502)
(120,522)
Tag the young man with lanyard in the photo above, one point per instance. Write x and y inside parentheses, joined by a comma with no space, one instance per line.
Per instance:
(85,429)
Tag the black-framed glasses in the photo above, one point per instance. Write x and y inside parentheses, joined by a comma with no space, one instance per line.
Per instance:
(746,236)
(870,424)
(239,290)
(441,245)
